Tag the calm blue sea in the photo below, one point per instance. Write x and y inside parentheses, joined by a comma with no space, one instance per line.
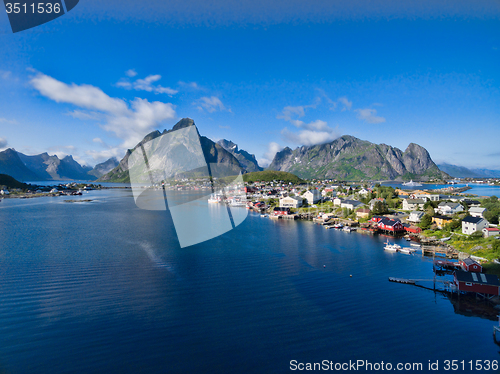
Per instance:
(104,287)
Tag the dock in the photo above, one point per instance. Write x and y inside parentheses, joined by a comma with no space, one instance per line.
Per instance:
(401,280)
(284,216)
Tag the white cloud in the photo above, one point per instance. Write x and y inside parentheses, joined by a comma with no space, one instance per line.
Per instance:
(129,122)
(3,143)
(192,85)
(297,111)
(346,102)
(272,149)
(146,84)
(369,116)
(315,132)
(84,96)
(106,154)
(85,115)
(9,121)
(310,137)
(4,74)
(211,104)
(131,73)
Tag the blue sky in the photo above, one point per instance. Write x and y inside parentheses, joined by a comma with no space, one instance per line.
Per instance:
(264,74)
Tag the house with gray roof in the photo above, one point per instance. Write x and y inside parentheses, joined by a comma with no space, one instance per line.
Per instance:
(472,224)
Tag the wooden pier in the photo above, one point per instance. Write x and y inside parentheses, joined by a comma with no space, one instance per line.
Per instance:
(290,217)
(401,280)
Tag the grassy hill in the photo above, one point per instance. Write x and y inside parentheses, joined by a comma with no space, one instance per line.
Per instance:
(7,180)
(271,175)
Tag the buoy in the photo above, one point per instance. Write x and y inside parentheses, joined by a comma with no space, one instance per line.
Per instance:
(324,266)
(350,275)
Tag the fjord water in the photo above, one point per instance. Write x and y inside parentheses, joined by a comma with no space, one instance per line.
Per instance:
(104,287)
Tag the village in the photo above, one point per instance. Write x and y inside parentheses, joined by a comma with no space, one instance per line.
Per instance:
(458,230)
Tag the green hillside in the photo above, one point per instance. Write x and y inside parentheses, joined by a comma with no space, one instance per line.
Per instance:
(9,182)
(271,175)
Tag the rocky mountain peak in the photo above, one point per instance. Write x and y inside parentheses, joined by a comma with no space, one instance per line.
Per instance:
(351,158)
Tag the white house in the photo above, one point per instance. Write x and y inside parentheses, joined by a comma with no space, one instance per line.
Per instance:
(490,231)
(4,192)
(337,201)
(373,201)
(351,204)
(312,196)
(472,224)
(422,196)
(364,192)
(415,216)
(449,208)
(413,204)
(477,211)
(291,202)
(326,190)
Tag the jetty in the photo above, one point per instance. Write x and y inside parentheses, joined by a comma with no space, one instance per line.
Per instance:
(290,217)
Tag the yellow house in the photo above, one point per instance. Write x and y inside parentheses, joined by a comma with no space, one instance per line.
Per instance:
(402,193)
(440,221)
(420,192)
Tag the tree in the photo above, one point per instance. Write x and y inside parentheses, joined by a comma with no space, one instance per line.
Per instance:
(379,207)
(453,225)
(426,222)
(491,216)
(346,212)
(429,211)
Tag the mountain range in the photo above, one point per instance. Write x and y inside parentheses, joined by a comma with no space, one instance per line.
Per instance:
(213,153)
(354,159)
(463,172)
(247,161)
(44,167)
(347,158)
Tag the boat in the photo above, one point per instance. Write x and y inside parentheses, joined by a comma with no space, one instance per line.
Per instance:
(214,199)
(347,229)
(392,247)
(405,250)
(415,245)
(263,215)
(411,183)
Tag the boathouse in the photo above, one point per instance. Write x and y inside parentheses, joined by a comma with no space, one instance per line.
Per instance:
(468,264)
(412,229)
(486,284)
(391,225)
(278,211)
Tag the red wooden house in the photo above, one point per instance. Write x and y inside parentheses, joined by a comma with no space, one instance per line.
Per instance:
(486,284)
(376,219)
(390,225)
(468,264)
(277,211)
(412,229)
